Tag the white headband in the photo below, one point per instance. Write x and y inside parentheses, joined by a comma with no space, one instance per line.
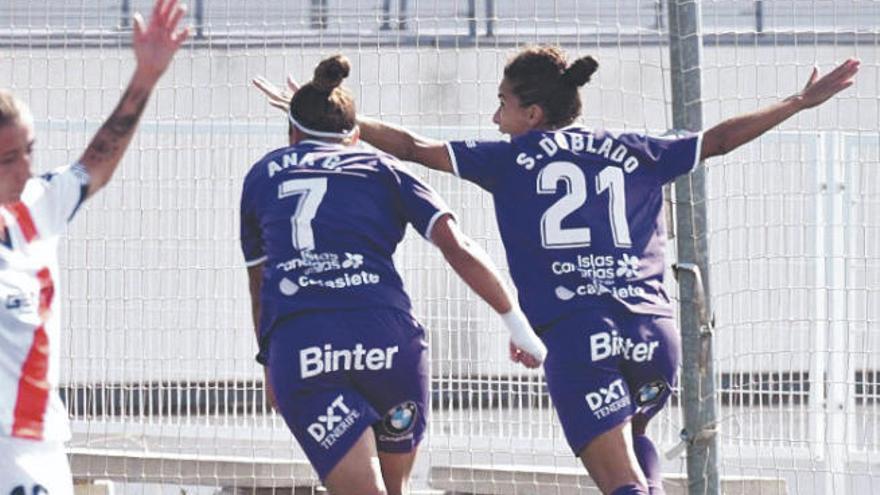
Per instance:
(323,134)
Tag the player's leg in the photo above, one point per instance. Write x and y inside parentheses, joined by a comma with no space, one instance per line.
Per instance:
(396,469)
(646,453)
(310,361)
(358,472)
(651,379)
(593,400)
(403,406)
(611,462)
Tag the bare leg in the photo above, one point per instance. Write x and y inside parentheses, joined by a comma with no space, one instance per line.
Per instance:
(396,469)
(611,461)
(358,473)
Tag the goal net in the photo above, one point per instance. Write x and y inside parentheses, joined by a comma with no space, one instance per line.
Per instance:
(158,370)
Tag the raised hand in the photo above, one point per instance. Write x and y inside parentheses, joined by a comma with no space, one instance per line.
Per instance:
(156,43)
(820,89)
(277,97)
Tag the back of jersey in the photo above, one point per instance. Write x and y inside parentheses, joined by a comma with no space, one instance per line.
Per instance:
(324,221)
(580,215)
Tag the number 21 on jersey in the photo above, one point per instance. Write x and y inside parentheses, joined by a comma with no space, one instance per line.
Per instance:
(610,179)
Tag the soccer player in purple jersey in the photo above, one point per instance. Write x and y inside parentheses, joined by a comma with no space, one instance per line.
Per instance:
(346,360)
(580,216)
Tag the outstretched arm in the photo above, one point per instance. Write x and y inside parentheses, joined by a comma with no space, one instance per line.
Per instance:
(478,271)
(154,46)
(406,145)
(737,131)
(394,140)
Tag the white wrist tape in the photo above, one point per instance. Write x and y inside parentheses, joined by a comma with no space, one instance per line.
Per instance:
(522,335)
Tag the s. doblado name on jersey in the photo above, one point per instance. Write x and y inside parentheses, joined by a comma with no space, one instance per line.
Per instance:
(324,220)
(580,215)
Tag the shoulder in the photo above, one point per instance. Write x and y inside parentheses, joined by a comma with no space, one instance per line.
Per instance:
(267,166)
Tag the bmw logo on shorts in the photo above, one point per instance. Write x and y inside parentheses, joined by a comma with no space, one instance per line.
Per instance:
(400,419)
(650,392)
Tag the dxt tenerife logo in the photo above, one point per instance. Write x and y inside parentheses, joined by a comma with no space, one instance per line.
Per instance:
(608,400)
(331,426)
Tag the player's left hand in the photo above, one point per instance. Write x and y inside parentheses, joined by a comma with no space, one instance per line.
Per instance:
(277,97)
(820,89)
(518,355)
(156,43)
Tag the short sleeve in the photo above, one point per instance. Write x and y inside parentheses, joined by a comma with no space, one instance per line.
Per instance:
(666,157)
(251,235)
(480,162)
(421,205)
(55,197)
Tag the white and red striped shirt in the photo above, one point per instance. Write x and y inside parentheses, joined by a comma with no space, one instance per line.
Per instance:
(29,304)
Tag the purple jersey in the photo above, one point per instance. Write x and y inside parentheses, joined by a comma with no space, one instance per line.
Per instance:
(580,215)
(325,219)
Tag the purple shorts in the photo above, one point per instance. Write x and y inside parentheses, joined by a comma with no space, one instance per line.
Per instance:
(604,367)
(335,374)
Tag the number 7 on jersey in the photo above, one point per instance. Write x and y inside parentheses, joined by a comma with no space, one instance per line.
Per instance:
(311,192)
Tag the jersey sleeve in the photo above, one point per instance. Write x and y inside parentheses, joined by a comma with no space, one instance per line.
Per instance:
(55,197)
(421,205)
(251,234)
(480,162)
(667,157)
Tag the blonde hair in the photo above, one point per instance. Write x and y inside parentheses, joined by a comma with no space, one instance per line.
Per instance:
(12,109)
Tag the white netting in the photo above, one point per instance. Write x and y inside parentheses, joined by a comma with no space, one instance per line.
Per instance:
(158,346)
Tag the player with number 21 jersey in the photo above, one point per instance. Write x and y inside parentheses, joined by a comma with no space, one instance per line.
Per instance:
(581,215)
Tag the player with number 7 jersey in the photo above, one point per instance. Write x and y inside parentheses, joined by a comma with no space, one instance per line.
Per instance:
(345,358)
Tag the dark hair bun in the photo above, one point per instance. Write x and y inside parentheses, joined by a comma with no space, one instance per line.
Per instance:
(579,73)
(330,73)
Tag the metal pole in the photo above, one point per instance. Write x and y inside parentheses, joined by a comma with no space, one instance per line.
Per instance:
(200,19)
(472,18)
(841,373)
(125,14)
(698,385)
(490,18)
(759,16)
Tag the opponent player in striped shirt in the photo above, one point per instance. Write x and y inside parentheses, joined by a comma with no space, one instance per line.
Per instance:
(346,360)
(580,216)
(34,213)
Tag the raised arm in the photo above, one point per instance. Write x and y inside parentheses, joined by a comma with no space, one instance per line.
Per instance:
(154,46)
(473,265)
(394,140)
(406,145)
(737,131)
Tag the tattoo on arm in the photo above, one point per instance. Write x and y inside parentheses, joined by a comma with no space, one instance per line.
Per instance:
(112,139)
